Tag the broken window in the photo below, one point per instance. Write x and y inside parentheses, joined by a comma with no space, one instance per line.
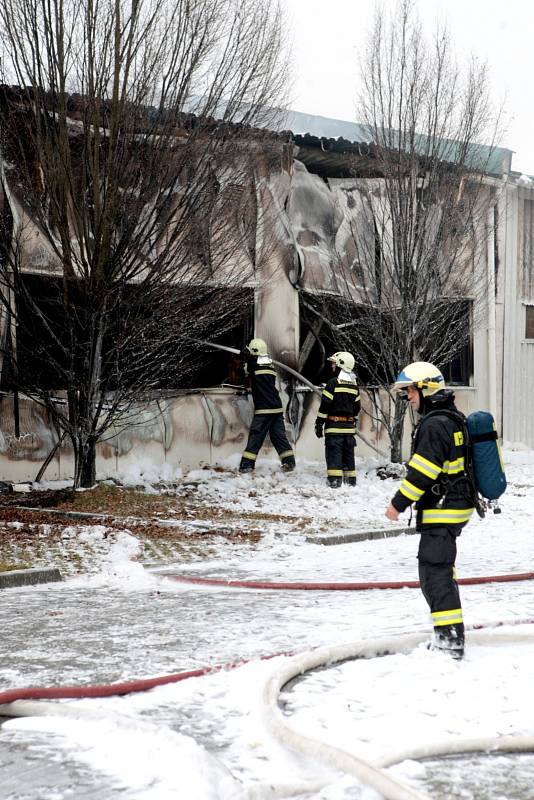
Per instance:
(330,323)
(529,322)
(236,329)
(451,348)
(50,341)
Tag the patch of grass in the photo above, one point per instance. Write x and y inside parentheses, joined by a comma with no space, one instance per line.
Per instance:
(7,567)
(115,500)
(125,502)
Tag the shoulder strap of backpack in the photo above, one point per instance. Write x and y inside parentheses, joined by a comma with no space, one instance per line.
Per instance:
(461,421)
(446,412)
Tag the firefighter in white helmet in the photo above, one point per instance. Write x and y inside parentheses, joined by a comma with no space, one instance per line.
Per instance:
(437,483)
(268,411)
(339,409)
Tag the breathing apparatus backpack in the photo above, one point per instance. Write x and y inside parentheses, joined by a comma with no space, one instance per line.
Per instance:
(488,469)
(484,468)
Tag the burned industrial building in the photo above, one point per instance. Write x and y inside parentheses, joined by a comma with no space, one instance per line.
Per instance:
(303,261)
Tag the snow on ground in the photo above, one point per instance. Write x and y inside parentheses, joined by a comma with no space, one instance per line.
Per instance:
(204,738)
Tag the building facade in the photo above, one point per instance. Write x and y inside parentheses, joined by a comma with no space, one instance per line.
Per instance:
(308,208)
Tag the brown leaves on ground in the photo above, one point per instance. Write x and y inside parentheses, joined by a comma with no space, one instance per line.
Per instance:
(119,508)
(121,502)
(21,525)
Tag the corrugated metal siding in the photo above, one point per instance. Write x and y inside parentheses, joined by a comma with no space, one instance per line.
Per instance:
(518,367)
(522,423)
(527,250)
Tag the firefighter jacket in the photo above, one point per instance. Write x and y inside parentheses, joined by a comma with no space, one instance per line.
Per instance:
(263,385)
(340,405)
(436,480)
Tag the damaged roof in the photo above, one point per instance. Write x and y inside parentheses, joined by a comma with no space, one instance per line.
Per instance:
(336,138)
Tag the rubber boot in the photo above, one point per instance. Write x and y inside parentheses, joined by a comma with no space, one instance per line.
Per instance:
(350,481)
(450,639)
(288,464)
(334,483)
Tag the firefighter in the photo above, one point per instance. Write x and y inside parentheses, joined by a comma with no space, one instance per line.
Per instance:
(268,411)
(340,406)
(436,481)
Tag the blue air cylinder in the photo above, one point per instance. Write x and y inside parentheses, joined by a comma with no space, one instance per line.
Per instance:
(488,468)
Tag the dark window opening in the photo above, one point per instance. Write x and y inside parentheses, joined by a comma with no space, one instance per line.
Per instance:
(153,344)
(219,367)
(529,322)
(330,323)
(458,370)
(451,347)
(336,324)
(40,334)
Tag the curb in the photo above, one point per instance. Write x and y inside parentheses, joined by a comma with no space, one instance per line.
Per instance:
(200,525)
(362,536)
(68,514)
(28,577)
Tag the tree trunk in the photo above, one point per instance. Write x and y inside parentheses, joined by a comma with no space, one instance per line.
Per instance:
(85,464)
(397,430)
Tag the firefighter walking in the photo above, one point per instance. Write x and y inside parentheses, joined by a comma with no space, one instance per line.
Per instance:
(268,410)
(437,482)
(339,408)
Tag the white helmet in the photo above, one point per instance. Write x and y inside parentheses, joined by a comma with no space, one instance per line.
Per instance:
(257,347)
(423,376)
(343,361)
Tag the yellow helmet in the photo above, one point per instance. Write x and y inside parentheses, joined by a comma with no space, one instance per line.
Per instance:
(423,376)
(257,347)
(343,361)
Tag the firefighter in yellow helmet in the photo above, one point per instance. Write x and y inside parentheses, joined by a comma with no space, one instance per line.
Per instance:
(339,409)
(437,483)
(268,411)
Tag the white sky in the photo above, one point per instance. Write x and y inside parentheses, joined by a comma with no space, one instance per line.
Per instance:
(328,36)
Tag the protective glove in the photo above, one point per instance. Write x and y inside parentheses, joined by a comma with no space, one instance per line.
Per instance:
(319,428)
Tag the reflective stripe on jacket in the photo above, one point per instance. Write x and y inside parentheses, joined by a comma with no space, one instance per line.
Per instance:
(435,479)
(341,402)
(263,386)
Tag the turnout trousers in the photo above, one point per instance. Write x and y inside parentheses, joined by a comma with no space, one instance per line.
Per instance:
(339,454)
(263,424)
(437,556)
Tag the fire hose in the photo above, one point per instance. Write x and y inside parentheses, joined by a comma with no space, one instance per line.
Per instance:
(20,702)
(142,685)
(300,378)
(373,774)
(343,587)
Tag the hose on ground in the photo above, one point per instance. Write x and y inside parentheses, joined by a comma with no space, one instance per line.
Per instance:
(30,702)
(373,775)
(43,708)
(10,696)
(343,587)
(43,693)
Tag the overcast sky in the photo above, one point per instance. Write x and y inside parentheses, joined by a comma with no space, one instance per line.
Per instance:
(328,36)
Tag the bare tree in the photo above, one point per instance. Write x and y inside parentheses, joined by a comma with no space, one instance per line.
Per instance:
(408,258)
(129,153)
